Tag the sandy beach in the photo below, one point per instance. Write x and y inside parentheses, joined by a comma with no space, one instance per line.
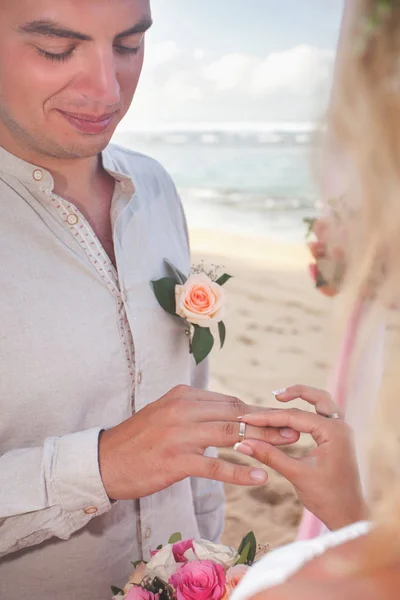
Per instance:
(279,333)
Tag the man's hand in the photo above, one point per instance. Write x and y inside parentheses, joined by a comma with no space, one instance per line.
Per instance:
(165,442)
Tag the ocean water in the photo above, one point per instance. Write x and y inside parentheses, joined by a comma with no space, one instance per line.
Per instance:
(255,181)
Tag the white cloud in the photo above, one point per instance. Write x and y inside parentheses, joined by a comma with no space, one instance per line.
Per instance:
(162,53)
(176,86)
(180,90)
(199,54)
(230,71)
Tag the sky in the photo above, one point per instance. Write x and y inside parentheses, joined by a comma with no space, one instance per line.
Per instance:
(230,61)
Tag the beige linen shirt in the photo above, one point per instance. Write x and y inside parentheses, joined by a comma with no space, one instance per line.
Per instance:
(83,345)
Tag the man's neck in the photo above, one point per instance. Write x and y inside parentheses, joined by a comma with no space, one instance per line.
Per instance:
(72,177)
(84,182)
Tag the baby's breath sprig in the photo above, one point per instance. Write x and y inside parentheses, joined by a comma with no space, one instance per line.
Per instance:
(212,271)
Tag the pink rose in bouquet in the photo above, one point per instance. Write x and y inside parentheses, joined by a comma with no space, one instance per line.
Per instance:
(179,549)
(139,593)
(203,580)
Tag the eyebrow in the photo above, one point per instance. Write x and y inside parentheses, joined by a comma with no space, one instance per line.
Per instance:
(54,29)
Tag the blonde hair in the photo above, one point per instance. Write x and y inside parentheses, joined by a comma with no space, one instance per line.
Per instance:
(364,120)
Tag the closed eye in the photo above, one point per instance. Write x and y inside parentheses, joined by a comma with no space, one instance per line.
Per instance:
(127,50)
(56,57)
(63,56)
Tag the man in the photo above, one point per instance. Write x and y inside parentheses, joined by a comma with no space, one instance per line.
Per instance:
(101,440)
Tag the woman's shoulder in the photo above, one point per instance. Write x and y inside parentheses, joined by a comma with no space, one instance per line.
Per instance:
(277,566)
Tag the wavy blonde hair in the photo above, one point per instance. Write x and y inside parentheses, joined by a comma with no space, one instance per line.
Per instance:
(364,120)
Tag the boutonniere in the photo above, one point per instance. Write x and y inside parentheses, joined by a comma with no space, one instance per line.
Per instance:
(199,299)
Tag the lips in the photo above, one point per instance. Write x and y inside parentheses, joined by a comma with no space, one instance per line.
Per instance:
(91,124)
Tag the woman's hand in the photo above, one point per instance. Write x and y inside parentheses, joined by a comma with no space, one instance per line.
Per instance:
(326,479)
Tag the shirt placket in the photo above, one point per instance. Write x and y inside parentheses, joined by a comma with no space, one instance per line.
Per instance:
(91,245)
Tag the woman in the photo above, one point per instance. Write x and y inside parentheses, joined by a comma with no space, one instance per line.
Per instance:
(364,118)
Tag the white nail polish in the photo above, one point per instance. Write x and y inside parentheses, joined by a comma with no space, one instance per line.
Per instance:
(279,392)
(236,446)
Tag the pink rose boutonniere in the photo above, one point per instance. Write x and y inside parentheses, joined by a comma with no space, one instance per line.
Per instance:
(200,300)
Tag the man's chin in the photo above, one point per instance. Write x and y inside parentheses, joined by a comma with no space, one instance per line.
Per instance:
(86,147)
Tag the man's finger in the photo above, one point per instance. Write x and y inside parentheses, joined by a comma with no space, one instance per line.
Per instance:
(221,411)
(227,434)
(221,470)
(320,428)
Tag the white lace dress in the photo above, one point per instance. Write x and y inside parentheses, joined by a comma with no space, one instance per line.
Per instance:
(276,567)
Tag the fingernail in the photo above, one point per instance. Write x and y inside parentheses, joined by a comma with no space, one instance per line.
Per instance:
(240,418)
(286,432)
(279,392)
(243,448)
(258,475)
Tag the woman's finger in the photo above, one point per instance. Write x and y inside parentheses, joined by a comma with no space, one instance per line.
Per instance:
(320,399)
(320,428)
(269,455)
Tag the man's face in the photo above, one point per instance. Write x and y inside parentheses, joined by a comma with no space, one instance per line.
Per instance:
(68,72)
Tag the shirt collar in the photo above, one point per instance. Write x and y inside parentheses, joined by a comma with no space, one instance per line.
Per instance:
(42,179)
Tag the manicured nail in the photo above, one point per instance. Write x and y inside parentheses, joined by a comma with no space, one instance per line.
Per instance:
(258,475)
(286,432)
(240,418)
(243,449)
(279,392)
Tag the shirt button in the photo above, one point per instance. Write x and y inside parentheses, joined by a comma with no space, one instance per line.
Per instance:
(37,175)
(147,533)
(140,377)
(72,219)
(91,510)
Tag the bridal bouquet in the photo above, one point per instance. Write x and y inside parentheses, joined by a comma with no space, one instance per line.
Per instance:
(190,570)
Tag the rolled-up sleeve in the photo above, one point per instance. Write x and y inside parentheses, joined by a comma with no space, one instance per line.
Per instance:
(50,491)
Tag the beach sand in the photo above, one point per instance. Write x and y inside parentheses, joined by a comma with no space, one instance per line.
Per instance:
(279,333)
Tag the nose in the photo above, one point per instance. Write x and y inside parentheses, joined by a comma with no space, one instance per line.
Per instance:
(99,82)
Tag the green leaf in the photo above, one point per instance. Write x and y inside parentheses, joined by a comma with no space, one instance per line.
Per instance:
(310,224)
(175,272)
(222,333)
(160,547)
(176,537)
(164,290)
(243,558)
(116,590)
(137,563)
(223,279)
(247,549)
(202,343)
(320,281)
